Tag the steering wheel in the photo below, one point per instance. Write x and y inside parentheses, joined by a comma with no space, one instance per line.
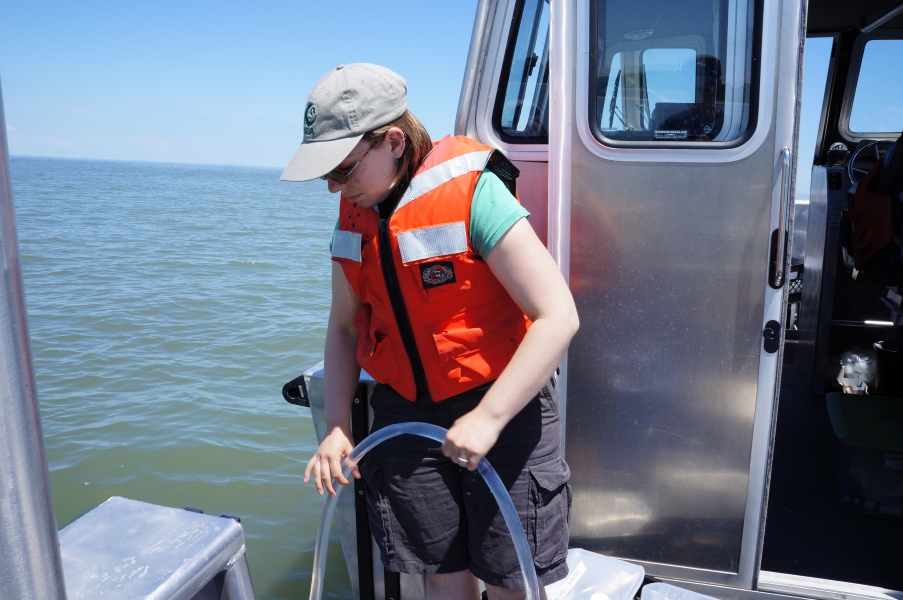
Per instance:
(876,150)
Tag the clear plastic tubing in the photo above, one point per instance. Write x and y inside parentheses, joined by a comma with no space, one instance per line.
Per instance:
(495,484)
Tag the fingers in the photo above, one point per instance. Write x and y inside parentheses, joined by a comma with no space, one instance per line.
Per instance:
(309,468)
(326,464)
(463,458)
(355,472)
(313,466)
(449,449)
(335,465)
(467,462)
(326,479)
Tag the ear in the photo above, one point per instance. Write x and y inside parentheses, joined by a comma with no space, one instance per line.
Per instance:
(397,141)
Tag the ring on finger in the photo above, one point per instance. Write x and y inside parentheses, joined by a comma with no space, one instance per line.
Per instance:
(463,461)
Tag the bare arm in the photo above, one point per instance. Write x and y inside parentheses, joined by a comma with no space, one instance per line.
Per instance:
(341,378)
(527,271)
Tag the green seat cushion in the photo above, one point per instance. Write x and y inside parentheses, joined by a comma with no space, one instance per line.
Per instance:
(867,421)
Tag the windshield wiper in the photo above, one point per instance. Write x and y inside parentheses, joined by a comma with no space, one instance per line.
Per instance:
(614,101)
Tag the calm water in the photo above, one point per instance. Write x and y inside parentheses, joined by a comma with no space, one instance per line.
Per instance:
(167,305)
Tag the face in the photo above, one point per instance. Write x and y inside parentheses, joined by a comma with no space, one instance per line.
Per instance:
(370,182)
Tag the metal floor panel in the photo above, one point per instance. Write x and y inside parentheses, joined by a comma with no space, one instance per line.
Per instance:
(806,532)
(825,589)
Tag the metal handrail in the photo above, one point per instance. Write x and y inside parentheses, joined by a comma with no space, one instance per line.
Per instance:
(780,255)
(30,566)
(472,70)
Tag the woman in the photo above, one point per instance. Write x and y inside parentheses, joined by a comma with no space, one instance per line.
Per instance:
(442,292)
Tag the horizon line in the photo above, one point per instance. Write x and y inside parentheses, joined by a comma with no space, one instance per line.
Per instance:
(135,160)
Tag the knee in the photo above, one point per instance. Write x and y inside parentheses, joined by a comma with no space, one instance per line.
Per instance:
(497,593)
(453,586)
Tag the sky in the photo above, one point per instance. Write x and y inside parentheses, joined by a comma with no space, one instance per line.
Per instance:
(226,82)
(210,82)
(815,77)
(882,78)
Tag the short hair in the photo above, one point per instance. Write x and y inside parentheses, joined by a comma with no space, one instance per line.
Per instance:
(417,146)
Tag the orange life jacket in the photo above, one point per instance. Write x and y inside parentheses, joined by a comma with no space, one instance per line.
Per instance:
(435,321)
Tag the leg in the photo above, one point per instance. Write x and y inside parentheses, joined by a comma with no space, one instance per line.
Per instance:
(497,593)
(413,495)
(527,459)
(452,586)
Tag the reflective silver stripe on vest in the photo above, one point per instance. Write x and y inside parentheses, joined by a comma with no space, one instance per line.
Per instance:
(347,245)
(443,173)
(431,242)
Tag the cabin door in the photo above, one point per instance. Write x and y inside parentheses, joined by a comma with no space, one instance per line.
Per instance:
(671,136)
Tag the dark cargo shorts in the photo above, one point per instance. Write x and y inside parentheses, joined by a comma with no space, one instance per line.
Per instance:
(429,515)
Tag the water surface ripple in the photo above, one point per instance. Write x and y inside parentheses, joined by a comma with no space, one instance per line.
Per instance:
(167,305)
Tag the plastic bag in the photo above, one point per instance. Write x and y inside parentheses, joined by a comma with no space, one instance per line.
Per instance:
(857,370)
(596,577)
(664,591)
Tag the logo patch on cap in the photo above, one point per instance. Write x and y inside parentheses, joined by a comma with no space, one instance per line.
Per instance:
(310,115)
(436,274)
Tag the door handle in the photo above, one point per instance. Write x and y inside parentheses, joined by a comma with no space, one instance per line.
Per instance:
(780,248)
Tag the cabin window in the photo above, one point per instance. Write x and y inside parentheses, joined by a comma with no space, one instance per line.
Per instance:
(877,105)
(672,72)
(521,113)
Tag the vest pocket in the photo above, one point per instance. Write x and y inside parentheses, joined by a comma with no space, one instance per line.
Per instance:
(375,354)
(477,343)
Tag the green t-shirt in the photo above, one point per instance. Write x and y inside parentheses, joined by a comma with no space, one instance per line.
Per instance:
(493,212)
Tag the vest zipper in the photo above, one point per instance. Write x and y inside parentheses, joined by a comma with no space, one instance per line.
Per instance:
(399,310)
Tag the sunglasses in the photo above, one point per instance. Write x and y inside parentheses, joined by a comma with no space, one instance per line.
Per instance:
(341,177)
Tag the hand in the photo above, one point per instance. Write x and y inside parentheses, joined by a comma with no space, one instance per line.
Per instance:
(326,464)
(471,438)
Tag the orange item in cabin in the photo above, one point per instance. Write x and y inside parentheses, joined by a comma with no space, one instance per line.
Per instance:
(872,221)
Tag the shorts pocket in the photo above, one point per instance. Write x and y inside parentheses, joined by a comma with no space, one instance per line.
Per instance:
(378,511)
(551,496)
(550,394)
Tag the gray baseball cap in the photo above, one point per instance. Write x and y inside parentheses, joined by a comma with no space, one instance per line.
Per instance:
(345,104)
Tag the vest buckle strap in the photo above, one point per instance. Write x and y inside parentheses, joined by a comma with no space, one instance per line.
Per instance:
(432,242)
(347,245)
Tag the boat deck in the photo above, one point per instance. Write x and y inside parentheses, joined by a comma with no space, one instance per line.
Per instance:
(806,532)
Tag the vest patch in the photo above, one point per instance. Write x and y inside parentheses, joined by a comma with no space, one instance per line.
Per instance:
(437,273)
(432,242)
(347,245)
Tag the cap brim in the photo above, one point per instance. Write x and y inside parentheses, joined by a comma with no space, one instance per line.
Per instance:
(318,158)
